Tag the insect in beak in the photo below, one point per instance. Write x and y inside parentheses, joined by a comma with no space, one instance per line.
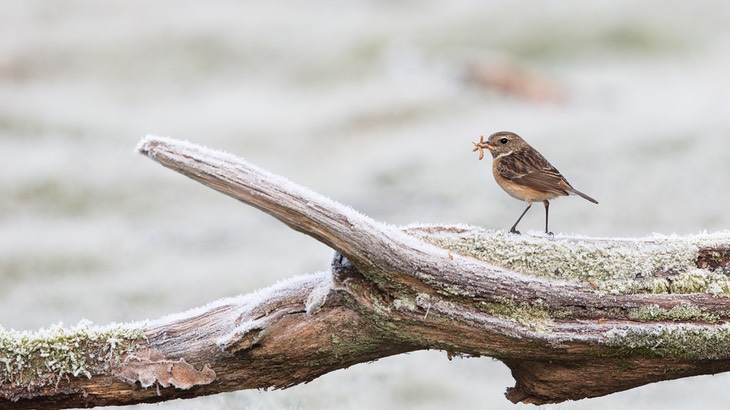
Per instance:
(479,146)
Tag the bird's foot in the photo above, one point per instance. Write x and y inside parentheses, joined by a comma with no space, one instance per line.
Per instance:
(549,233)
(515,231)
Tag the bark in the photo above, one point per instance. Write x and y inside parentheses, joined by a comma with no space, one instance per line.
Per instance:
(571,317)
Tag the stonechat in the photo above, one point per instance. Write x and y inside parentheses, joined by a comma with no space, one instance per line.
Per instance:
(524,173)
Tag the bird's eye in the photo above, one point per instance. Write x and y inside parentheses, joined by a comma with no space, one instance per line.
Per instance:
(503,140)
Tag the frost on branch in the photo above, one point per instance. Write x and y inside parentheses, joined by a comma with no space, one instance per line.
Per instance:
(572,317)
(47,357)
(653,264)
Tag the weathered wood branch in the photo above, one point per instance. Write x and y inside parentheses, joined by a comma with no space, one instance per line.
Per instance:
(571,317)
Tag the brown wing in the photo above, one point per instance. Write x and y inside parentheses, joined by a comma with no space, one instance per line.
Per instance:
(529,168)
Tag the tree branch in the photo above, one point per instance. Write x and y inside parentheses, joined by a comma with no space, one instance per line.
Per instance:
(571,317)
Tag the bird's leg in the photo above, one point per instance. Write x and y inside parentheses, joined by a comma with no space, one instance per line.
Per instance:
(512,229)
(547,207)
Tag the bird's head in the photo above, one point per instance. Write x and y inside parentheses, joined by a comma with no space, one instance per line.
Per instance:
(500,142)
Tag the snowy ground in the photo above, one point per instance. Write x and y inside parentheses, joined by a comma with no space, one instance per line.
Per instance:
(365,102)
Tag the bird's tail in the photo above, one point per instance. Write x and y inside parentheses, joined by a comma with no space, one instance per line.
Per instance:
(584,196)
(567,187)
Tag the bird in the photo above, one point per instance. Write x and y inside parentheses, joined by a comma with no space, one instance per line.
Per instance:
(524,173)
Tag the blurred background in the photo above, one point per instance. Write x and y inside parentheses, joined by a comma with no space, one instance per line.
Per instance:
(373,103)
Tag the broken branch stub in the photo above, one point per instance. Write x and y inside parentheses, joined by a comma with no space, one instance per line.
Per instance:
(572,317)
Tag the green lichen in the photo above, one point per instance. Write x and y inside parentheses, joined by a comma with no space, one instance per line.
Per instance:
(625,366)
(535,317)
(701,281)
(561,257)
(347,344)
(611,265)
(677,341)
(456,290)
(336,340)
(694,280)
(683,312)
(44,357)
(405,304)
